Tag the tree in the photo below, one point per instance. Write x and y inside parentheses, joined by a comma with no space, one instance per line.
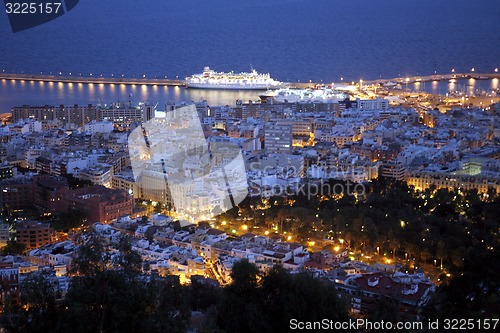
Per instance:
(127,259)
(202,296)
(91,258)
(14,247)
(112,295)
(385,309)
(473,293)
(170,311)
(74,182)
(267,306)
(37,311)
(240,308)
(298,296)
(244,276)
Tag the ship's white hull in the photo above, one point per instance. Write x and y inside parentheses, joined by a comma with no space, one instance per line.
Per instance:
(230,86)
(210,79)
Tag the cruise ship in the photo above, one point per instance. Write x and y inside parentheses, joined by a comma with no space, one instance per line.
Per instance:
(211,79)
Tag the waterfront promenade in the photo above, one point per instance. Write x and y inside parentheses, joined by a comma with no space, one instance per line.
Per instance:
(92,79)
(178,82)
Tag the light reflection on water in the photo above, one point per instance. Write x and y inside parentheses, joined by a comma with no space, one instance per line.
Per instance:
(494,84)
(468,86)
(17,93)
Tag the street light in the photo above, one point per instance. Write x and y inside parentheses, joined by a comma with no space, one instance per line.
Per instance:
(496,70)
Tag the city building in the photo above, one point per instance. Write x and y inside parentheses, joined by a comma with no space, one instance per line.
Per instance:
(278,138)
(17,193)
(393,169)
(423,180)
(99,203)
(33,234)
(9,285)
